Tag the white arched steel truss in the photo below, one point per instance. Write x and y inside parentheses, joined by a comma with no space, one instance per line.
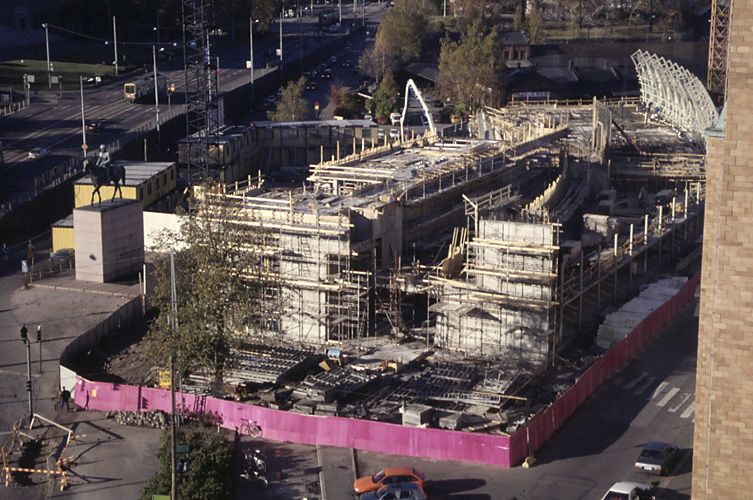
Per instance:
(429,120)
(675,93)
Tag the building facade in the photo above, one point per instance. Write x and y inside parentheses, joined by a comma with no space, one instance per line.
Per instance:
(723,441)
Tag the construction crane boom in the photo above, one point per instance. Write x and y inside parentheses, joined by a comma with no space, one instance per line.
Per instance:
(716,81)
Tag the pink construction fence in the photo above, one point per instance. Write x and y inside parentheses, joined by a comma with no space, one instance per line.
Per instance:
(490,449)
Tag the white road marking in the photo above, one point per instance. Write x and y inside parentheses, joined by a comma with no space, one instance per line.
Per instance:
(690,410)
(645,386)
(667,397)
(659,389)
(635,381)
(685,396)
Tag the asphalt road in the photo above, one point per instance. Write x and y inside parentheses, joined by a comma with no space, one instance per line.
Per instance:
(650,399)
(55,122)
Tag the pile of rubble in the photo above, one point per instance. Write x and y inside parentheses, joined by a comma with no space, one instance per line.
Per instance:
(155,418)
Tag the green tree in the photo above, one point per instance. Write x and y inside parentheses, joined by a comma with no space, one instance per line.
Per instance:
(220,283)
(404,30)
(292,106)
(535,25)
(470,70)
(209,464)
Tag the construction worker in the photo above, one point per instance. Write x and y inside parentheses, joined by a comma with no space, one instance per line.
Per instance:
(65,397)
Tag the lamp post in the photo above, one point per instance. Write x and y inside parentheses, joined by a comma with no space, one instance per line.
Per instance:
(25,339)
(47,47)
(39,343)
(115,43)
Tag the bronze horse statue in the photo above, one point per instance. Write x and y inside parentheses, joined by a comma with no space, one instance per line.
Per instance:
(101,176)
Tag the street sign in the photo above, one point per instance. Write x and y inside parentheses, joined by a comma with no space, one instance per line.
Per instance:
(182,448)
(54,79)
(30,78)
(249,64)
(164,379)
(24,267)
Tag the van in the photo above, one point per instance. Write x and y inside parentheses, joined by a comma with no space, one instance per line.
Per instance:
(395,118)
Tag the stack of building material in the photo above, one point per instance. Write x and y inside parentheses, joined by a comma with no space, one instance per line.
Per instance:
(619,324)
(416,415)
(328,386)
(262,364)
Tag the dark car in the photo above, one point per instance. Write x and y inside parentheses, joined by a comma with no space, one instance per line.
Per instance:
(95,126)
(657,458)
(312,86)
(327,75)
(347,64)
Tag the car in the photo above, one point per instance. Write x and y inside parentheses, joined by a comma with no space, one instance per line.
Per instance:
(626,490)
(63,254)
(411,491)
(368,117)
(333,59)
(395,118)
(657,457)
(38,153)
(380,135)
(95,126)
(394,134)
(347,64)
(312,86)
(389,475)
(327,75)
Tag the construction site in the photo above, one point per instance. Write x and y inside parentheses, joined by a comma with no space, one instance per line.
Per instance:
(461,282)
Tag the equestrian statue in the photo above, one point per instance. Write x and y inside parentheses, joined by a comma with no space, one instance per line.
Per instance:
(103,172)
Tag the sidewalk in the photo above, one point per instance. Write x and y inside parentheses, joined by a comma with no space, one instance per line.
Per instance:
(337,473)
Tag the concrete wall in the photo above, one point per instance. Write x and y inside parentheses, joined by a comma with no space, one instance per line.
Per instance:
(109,240)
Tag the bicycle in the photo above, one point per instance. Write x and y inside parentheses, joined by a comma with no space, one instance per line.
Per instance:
(250,428)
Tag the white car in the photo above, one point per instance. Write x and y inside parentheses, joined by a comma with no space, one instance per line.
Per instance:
(38,153)
(395,118)
(626,490)
(394,134)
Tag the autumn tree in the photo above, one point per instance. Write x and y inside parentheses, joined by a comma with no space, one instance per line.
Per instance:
(470,70)
(292,106)
(218,263)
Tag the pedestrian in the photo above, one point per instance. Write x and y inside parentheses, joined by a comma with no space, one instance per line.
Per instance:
(65,396)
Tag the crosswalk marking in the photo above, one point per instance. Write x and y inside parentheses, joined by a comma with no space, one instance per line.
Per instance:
(645,386)
(688,411)
(659,389)
(635,381)
(685,396)
(667,397)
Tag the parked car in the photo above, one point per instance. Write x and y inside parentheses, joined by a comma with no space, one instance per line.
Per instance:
(410,491)
(626,490)
(327,74)
(63,254)
(395,118)
(380,134)
(394,134)
(38,153)
(390,475)
(95,126)
(657,458)
(368,117)
(312,85)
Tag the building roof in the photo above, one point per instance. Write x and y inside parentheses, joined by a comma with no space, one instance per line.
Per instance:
(426,71)
(513,38)
(137,171)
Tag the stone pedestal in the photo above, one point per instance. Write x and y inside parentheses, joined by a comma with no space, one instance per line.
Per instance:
(109,239)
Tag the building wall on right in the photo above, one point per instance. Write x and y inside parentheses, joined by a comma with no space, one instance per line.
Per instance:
(723,439)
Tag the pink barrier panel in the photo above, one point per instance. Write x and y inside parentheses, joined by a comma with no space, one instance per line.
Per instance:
(546,423)
(307,429)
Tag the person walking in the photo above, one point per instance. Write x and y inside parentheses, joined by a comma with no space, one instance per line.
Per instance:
(65,396)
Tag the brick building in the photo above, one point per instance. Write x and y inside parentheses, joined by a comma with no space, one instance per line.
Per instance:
(723,441)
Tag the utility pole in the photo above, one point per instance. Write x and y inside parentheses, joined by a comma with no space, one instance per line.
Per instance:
(47,46)
(156,89)
(115,43)
(280,44)
(39,343)
(84,146)
(444,8)
(174,327)
(25,339)
(251,46)
(340,11)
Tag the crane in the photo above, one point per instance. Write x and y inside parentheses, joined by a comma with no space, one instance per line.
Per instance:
(410,85)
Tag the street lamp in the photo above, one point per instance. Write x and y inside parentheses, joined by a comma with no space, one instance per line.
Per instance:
(25,339)
(47,46)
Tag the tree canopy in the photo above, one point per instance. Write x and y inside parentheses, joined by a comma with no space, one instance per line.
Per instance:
(292,106)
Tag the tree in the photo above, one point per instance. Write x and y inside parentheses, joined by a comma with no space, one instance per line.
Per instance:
(404,30)
(220,285)
(208,467)
(470,70)
(535,25)
(292,106)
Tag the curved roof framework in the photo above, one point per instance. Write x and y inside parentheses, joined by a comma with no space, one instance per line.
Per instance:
(677,94)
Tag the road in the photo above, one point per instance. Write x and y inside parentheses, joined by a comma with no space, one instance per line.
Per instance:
(55,122)
(650,399)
